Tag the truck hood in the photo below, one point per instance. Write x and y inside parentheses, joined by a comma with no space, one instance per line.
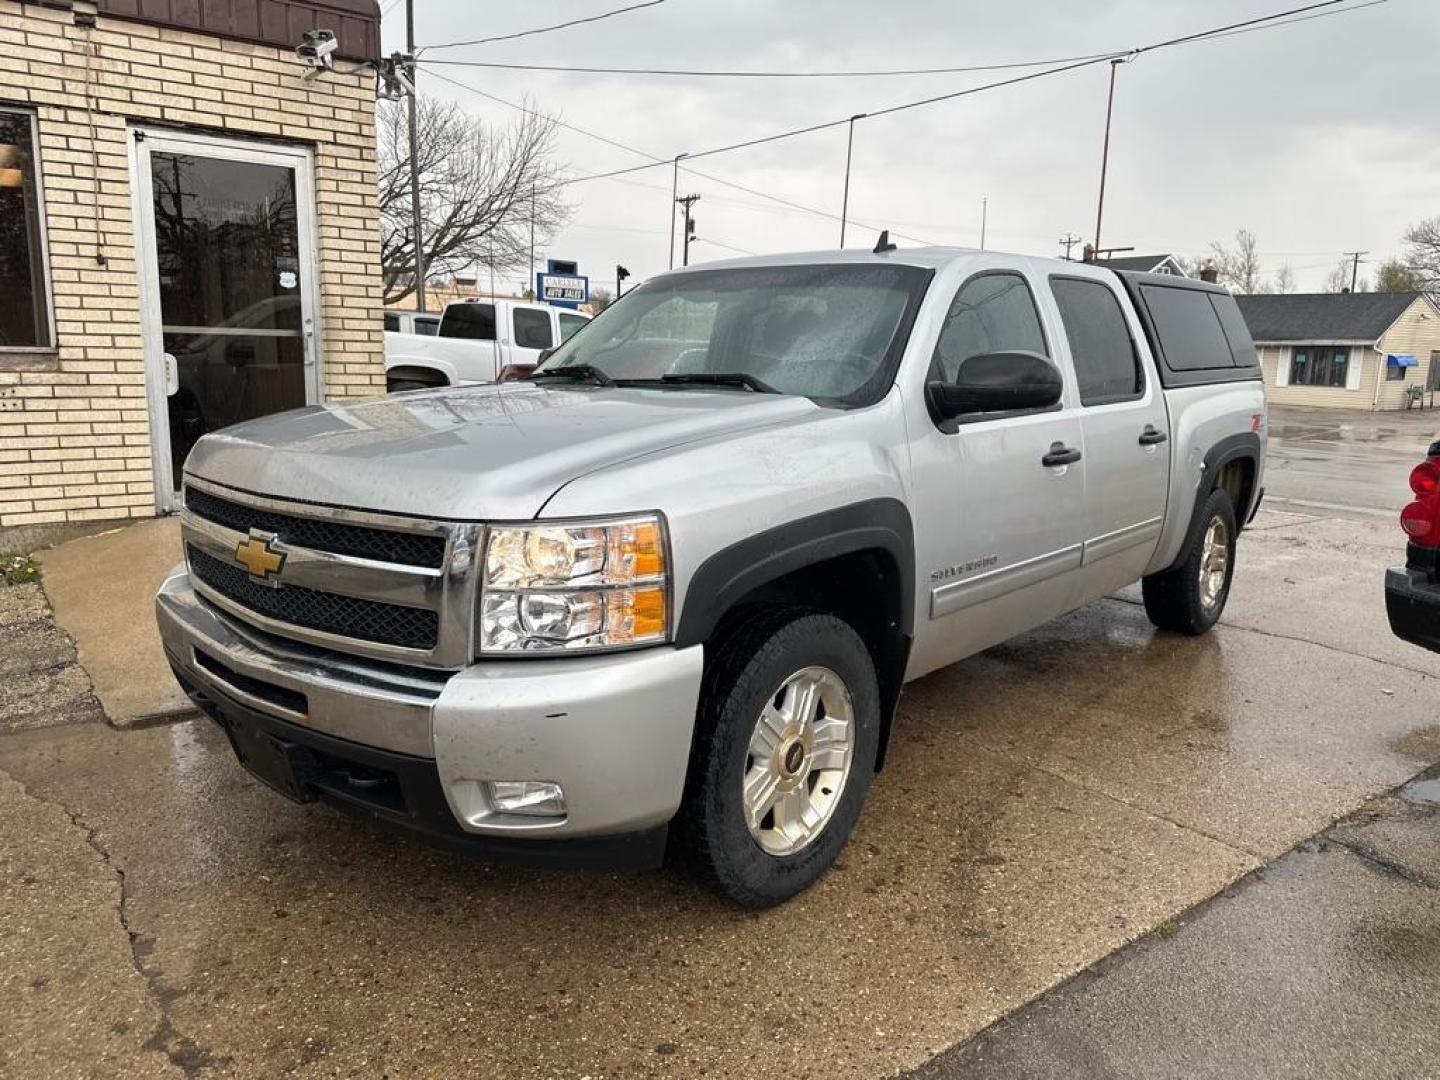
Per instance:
(473,453)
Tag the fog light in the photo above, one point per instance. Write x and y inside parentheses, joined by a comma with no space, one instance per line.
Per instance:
(533,798)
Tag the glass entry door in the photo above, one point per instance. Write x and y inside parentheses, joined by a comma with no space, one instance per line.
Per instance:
(227,287)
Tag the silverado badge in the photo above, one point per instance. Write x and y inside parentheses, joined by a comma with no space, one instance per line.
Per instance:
(258,555)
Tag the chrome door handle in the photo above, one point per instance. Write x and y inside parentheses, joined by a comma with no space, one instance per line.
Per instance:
(1060,454)
(1151,436)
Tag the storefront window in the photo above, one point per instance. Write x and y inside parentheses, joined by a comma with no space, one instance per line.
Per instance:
(24,310)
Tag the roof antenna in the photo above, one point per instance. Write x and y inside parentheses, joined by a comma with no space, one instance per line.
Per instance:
(883,244)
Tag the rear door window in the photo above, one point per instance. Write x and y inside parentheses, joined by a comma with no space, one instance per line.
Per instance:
(473,321)
(1107,367)
(1188,328)
(392,323)
(426,325)
(532,328)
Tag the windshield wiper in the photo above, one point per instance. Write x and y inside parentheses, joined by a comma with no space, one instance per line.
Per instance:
(576,373)
(723,378)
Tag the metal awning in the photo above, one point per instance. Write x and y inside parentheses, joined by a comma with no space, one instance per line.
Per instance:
(1401,360)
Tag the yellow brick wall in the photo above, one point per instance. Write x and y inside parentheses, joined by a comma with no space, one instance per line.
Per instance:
(75,442)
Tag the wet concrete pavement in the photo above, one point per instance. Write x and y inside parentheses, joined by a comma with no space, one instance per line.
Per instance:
(1352,464)
(1324,964)
(1045,804)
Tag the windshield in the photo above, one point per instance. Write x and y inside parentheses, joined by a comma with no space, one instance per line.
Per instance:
(829,331)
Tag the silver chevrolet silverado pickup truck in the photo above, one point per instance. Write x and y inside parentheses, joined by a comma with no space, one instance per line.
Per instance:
(664,595)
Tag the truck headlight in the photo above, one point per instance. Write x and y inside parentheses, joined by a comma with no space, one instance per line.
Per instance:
(576,586)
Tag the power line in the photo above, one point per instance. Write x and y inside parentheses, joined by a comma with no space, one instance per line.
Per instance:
(544,29)
(935,99)
(703,74)
(801,207)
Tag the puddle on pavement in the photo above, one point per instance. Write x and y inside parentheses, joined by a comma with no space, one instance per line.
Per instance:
(1424,792)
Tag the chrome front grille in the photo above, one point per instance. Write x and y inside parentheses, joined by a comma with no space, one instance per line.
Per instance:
(330,613)
(384,545)
(373,585)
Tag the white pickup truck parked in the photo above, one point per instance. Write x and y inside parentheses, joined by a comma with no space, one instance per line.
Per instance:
(663,596)
(477,339)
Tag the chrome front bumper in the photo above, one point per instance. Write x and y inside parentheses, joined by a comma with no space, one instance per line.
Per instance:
(613,731)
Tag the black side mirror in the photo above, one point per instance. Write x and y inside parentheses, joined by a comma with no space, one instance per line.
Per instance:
(996,382)
(545,354)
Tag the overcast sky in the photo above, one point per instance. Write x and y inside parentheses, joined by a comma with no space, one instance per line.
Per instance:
(1320,137)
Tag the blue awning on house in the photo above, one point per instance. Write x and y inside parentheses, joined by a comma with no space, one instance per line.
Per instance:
(1401,360)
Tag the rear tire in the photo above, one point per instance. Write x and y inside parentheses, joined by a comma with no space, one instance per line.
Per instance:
(1189,597)
(785,745)
(400,386)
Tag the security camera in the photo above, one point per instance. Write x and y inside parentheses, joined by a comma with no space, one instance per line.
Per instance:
(316,51)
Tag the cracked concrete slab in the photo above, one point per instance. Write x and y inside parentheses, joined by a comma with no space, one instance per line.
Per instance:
(40,682)
(71,1000)
(291,938)
(1324,964)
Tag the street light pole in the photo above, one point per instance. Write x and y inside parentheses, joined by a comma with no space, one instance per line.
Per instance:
(674,192)
(1105,152)
(414,163)
(984,216)
(845,200)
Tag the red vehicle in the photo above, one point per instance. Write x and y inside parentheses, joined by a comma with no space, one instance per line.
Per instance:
(1412,591)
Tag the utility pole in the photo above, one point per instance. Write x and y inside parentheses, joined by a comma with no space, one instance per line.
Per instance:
(984,214)
(845,200)
(620,275)
(1068,241)
(1354,257)
(1105,151)
(688,201)
(414,161)
(531,284)
(674,191)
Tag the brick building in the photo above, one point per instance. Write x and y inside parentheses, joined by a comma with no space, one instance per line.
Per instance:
(188,237)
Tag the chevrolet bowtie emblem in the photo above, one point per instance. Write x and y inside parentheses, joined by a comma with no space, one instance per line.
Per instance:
(258,555)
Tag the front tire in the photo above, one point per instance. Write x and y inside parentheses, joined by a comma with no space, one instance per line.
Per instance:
(1190,597)
(784,753)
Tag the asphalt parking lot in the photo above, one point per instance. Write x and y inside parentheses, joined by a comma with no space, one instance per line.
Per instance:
(1063,818)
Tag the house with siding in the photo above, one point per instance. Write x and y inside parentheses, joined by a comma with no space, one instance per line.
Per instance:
(188,238)
(1346,350)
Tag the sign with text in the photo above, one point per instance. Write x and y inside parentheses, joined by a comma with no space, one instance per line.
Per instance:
(562,290)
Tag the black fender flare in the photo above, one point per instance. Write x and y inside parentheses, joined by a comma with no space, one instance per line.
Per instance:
(734,572)
(1245,444)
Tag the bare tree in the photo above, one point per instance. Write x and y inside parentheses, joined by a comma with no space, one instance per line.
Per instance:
(600,299)
(1422,253)
(1193,265)
(1338,280)
(481,188)
(1239,267)
(1284,280)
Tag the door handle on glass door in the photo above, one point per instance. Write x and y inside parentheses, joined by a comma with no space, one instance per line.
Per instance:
(1060,454)
(1151,436)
